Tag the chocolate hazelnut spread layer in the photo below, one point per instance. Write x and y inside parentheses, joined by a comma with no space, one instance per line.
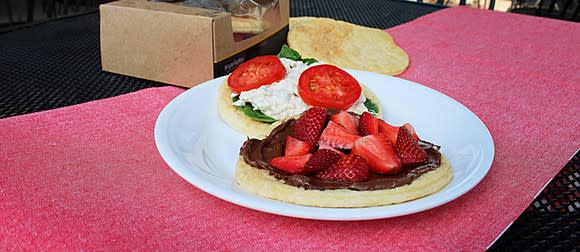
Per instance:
(258,153)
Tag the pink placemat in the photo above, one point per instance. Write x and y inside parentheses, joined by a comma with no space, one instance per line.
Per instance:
(90,177)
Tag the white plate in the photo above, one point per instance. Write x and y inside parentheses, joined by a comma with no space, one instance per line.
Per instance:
(203,150)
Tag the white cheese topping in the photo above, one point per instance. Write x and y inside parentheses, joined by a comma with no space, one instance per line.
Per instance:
(359,106)
(280,100)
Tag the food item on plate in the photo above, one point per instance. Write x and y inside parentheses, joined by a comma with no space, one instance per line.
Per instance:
(330,158)
(267,90)
(347,45)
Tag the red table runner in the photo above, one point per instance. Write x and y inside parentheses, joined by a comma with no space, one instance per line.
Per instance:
(90,177)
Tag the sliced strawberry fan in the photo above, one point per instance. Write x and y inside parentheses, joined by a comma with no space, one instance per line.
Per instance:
(295,147)
(346,120)
(310,124)
(350,168)
(379,153)
(408,149)
(337,137)
(368,124)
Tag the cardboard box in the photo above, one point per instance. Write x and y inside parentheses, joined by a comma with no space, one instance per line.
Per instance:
(177,44)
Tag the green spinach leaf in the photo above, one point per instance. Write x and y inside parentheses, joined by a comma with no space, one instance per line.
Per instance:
(289,53)
(309,61)
(371,106)
(255,115)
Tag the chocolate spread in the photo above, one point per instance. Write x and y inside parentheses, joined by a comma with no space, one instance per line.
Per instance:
(258,153)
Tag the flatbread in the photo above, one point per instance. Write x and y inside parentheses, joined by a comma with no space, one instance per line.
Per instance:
(260,182)
(347,45)
(254,129)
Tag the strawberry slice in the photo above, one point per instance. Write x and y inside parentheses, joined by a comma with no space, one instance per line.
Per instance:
(349,168)
(411,130)
(379,154)
(321,160)
(322,146)
(295,147)
(391,131)
(336,136)
(310,124)
(408,149)
(368,124)
(292,165)
(346,120)
(388,130)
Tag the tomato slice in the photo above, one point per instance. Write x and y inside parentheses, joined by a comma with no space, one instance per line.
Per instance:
(328,86)
(259,71)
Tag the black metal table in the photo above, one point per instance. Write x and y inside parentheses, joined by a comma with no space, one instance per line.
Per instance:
(57,64)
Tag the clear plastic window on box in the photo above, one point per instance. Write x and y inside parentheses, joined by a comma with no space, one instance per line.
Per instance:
(249,17)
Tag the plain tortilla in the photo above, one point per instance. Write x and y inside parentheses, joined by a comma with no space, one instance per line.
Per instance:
(347,45)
